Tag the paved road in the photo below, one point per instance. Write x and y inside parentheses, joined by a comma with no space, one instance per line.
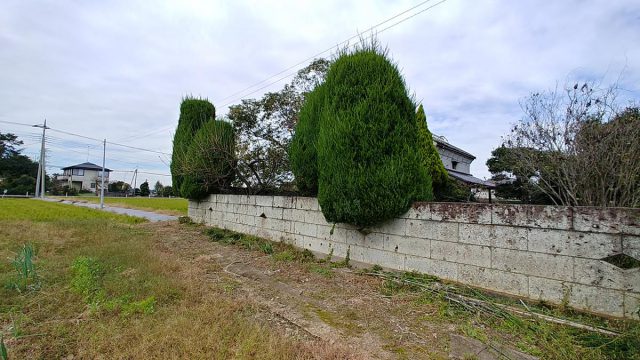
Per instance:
(151,216)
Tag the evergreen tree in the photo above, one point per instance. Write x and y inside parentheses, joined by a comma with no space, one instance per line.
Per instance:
(430,157)
(368,162)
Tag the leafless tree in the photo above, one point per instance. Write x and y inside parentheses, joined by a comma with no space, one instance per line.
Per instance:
(580,146)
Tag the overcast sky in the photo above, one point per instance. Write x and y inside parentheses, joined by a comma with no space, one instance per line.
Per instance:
(118,69)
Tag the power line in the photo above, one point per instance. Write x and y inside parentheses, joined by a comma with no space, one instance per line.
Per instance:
(328,49)
(322,52)
(93,139)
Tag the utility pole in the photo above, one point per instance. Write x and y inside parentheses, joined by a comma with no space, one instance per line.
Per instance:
(104,153)
(40,178)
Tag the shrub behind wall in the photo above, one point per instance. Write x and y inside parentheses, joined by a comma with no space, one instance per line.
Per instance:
(368,164)
(193,114)
(210,160)
(303,154)
(430,157)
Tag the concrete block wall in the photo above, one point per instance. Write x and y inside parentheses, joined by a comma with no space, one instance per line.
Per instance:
(548,253)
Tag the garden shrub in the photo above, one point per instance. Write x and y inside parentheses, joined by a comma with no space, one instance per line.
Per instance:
(210,160)
(430,158)
(193,114)
(369,168)
(302,152)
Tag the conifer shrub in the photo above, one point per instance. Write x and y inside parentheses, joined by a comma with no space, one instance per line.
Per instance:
(369,167)
(193,114)
(430,158)
(302,152)
(209,165)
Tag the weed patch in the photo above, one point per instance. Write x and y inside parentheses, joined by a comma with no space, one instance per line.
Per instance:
(88,281)
(24,265)
(321,270)
(280,252)
(484,315)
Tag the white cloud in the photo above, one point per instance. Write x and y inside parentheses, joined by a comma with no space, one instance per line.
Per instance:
(115,69)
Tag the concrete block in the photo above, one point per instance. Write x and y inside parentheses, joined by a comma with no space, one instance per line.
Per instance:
(240,208)
(295,215)
(287,214)
(306,203)
(383,258)
(376,241)
(356,253)
(461,253)
(355,237)
(248,199)
(305,229)
(529,263)
(285,202)
(599,273)
(534,216)
(509,237)
(233,199)
(631,246)
(255,210)
(248,220)
(598,300)
(442,269)
(407,245)
(477,234)
(496,280)
(417,211)
(393,227)
(421,211)
(338,235)
(263,200)
(276,224)
(632,306)
(461,212)
(632,280)
(272,213)
(314,217)
(573,243)
(434,230)
(549,217)
(552,291)
(608,220)
(313,244)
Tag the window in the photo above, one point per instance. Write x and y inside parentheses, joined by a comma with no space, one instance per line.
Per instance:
(93,185)
(454,165)
(79,172)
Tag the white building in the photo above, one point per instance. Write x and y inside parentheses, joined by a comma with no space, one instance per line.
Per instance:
(458,165)
(85,176)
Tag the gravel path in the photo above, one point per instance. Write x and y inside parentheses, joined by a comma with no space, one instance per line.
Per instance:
(151,216)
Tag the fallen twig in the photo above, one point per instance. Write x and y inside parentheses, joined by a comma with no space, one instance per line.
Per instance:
(473,305)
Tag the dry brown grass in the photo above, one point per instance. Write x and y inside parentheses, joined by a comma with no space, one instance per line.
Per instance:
(192,318)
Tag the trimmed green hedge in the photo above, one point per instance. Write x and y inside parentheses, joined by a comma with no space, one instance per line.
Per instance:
(302,152)
(430,157)
(193,114)
(210,160)
(368,163)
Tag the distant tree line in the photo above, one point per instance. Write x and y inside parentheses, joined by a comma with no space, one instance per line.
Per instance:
(17,171)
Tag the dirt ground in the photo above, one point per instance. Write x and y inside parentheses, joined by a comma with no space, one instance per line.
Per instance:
(343,307)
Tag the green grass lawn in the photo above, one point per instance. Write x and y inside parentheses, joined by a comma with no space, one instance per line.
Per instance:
(91,284)
(171,206)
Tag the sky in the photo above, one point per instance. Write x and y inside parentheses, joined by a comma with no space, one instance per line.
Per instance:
(119,69)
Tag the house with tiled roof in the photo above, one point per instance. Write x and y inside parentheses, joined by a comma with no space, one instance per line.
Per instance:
(86,176)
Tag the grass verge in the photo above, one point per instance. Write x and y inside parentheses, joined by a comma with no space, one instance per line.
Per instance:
(169,206)
(109,288)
